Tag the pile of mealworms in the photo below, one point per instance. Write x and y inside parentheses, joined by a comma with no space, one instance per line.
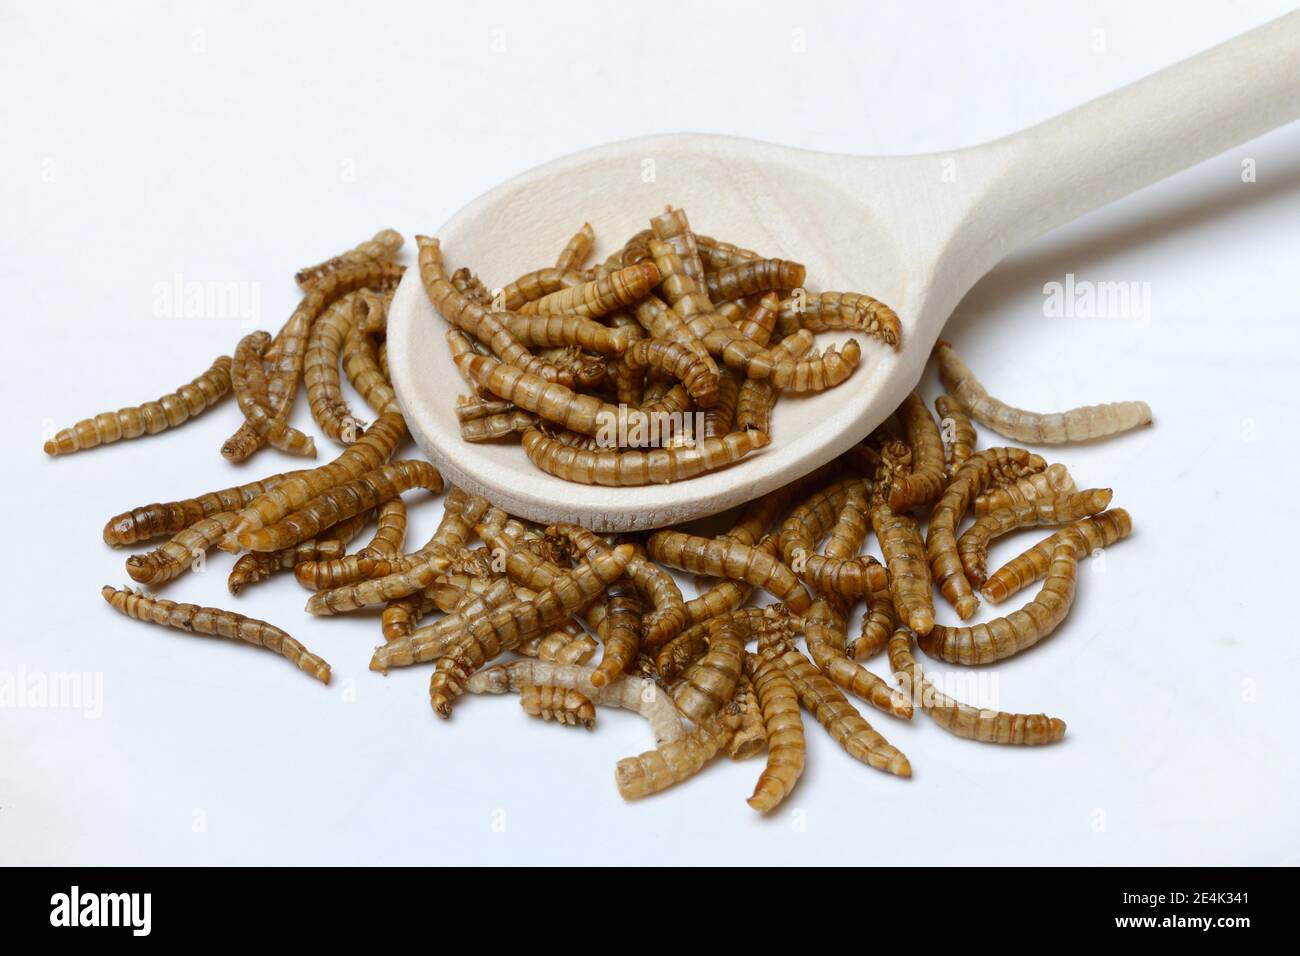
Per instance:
(597,620)
(677,343)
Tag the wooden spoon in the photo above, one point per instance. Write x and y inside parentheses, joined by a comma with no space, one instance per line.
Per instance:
(914,231)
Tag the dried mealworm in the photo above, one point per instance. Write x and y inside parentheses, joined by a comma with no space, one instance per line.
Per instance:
(383,247)
(958,432)
(174,409)
(671,764)
(719,419)
(840,310)
(400,617)
(257,566)
(370,451)
(248,379)
(184,551)
(565,329)
(431,642)
(972,478)
(878,624)
(756,397)
(691,644)
(760,321)
(825,637)
(409,578)
(905,557)
(630,468)
(475,320)
(471,286)
(715,254)
(343,501)
(577,249)
(321,574)
(963,720)
(210,620)
(535,285)
(638,694)
(1055,482)
(973,545)
(599,297)
(504,627)
(160,518)
(711,681)
(564,705)
(926,480)
(832,710)
(1088,537)
(753,276)
(1004,637)
(786,749)
(494,427)
(845,502)
(750,738)
(1078,424)
(729,559)
(587,369)
(569,644)
(681,362)
(320,372)
(361,359)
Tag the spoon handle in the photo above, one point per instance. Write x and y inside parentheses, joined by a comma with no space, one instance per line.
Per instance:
(1056,171)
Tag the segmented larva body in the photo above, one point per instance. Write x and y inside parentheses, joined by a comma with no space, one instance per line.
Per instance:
(830,708)
(664,323)
(710,682)
(361,358)
(170,411)
(756,398)
(973,545)
(343,501)
(844,501)
(832,311)
(557,403)
(567,644)
(591,300)
(320,372)
(638,694)
(619,628)
(493,427)
(959,436)
(564,705)
(760,321)
(683,363)
(1087,536)
(671,764)
(471,286)
(211,620)
(878,624)
(1055,482)
(674,657)
(1004,637)
(370,451)
(257,566)
(412,575)
(723,558)
(339,570)
(749,738)
(565,329)
(752,277)
(825,637)
(631,468)
(473,319)
(576,250)
(174,557)
(925,482)
(431,642)
(534,285)
(963,720)
(506,626)
(290,344)
(786,748)
(382,247)
(160,518)
(977,474)
(714,254)
(905,558)
(400,617)
(1078,424)
(248,379)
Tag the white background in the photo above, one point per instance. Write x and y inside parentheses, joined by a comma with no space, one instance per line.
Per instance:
(237,142)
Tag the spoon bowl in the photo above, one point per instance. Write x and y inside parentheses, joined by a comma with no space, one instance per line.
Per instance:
(914,232)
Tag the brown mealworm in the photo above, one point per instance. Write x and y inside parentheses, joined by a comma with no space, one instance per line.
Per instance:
(972,478)
(320,372)
(878,624)
(577,249)
(382,247)
(1078,424)
(211,620)
(322,574)
(752,277)
(1088,537)
(431,642)
(963,720)
(563,705)
(786,749)
(631,468)
(710,682)
(1004,637)
(925,482)
(722,558)
(1055,482)
(830,311)
(598,297)
(257,566)
(657,770)
(248,380)
(958,433)
(973,545)
(170,411)
(825,638)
